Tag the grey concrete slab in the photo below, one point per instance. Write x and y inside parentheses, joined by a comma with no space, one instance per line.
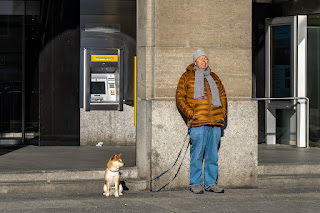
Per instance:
(286,154)
(70,187)
(233,200)
(288,169)
(35,158)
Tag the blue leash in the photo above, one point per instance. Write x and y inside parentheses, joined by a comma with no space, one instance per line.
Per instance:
(177,170)
(146,181)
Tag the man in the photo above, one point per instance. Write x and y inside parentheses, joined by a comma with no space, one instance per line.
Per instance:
(201,97)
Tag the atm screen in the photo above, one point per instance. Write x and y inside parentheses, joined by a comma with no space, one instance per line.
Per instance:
(98,88)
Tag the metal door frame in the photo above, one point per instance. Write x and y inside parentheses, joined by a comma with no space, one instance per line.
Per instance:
(298,64)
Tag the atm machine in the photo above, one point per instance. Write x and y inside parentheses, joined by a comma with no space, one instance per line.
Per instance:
(106,92)
(106,68)
(102,79)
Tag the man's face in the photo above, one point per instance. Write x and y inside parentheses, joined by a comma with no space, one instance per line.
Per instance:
(202,62)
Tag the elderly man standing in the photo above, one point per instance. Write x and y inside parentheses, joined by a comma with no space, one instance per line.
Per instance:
(201,97)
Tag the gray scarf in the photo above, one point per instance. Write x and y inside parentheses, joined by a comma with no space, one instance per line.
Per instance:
(199,86)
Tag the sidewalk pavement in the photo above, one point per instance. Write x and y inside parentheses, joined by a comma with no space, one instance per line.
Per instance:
(72,169)
(48,158)
(70,158)
(35,169)
(233,200)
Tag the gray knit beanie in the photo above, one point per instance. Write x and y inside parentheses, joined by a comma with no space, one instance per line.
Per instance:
(198,53)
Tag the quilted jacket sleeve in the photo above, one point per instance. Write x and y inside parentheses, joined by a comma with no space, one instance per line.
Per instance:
(181,96)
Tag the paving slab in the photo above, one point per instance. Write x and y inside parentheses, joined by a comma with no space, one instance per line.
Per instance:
(41,158)
(233,200)
(286,154)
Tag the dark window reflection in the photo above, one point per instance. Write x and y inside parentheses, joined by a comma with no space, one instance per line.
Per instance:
(38,100)
(281,54)
(313,86)
(11,56)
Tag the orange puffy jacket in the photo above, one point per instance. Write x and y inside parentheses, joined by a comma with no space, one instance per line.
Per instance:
(200,110)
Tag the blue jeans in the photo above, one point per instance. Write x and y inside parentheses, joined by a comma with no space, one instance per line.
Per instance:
(205,141)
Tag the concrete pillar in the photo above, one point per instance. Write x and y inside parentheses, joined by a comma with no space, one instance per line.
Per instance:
(168,34)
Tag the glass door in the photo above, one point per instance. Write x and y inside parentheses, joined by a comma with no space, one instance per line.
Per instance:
(11,79)
(285,80)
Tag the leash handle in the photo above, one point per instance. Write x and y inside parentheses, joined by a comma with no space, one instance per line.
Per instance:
(189,129)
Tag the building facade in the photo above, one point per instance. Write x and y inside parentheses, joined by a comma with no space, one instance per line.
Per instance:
(41,77)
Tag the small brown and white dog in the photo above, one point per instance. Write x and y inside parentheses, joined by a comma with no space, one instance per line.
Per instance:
(112,177)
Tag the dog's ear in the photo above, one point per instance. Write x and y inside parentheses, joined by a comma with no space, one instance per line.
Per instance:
(119,155)
(113,157)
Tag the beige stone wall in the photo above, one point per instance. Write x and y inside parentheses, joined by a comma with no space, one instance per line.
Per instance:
(238,148)
(168,34)
(238,160)
(109,127)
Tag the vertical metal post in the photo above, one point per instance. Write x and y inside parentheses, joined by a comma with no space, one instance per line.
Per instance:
(270,118)
(23,115)
(86,82)
(301,84)
(135,91)
(121,73)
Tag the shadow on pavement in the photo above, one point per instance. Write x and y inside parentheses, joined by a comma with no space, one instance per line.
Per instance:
(5,149)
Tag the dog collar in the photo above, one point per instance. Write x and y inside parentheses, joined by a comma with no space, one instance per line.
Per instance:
(113,171)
